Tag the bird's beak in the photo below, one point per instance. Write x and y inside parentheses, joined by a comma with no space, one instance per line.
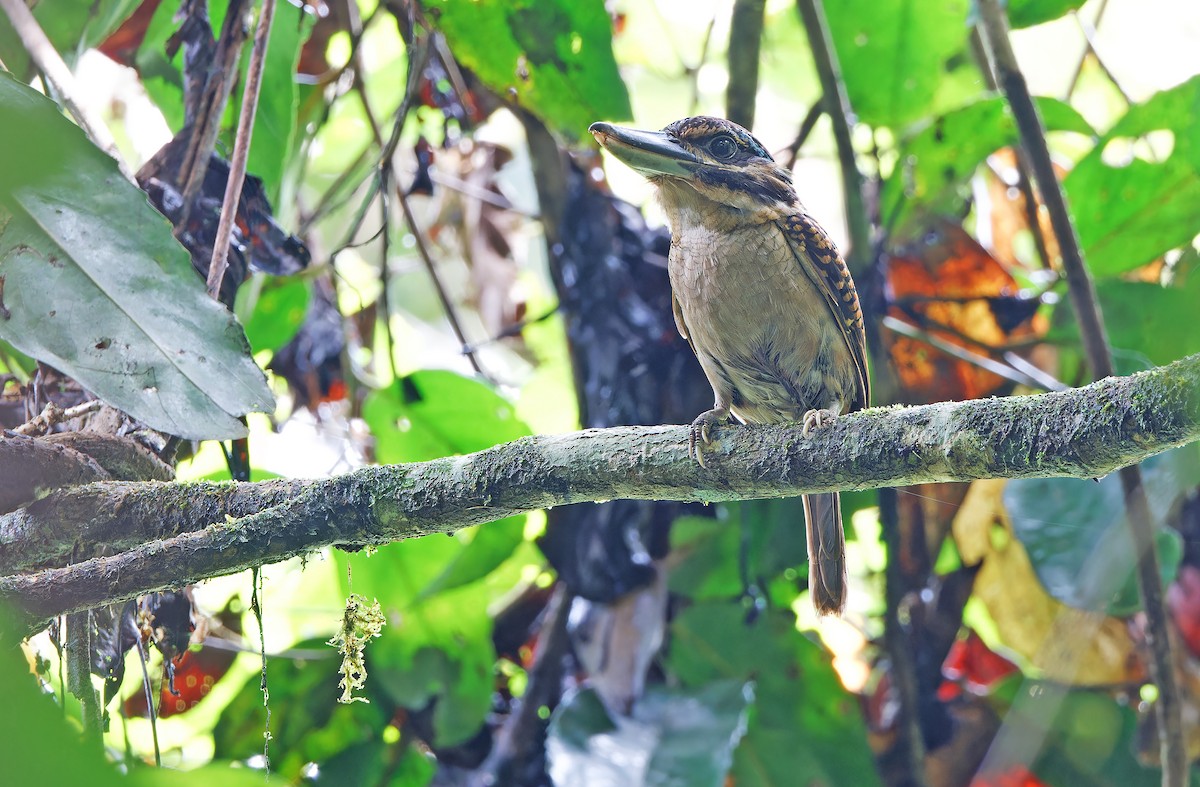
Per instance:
(648,152)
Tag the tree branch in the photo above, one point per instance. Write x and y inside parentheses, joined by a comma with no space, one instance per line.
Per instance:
(1082,292)
(174,534)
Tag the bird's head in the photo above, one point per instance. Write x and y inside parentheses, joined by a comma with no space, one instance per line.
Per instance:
(704,159)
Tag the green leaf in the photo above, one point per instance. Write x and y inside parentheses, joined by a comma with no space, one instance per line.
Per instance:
(1076,534)
(435,413)
(96,285)
(938,158)
(40,746)
(1027,13)
(895,54)
(756,538)
(487,548)
(307,722)
(1142,320)
(71,25)
(1131,212)
(675,736)
(278,313)
(804,727)
(553,57)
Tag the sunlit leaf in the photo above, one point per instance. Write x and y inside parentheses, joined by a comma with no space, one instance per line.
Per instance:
(894,54)
(96,285)
(938,159)
(674,736)
(1066,644)
(552,56)
(1027,13)
(1129,203)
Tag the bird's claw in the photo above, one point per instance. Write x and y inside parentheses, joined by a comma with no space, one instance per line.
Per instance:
(700,436)
(816,419)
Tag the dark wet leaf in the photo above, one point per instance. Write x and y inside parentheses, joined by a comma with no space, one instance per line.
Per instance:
(1076,535)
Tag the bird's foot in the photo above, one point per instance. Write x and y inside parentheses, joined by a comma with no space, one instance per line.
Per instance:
(701,433)
(816,419)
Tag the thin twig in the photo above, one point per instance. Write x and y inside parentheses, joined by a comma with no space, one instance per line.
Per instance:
(1024,183)
(1091,326)
(806,128)
(1089,39)
(963,354)
(211,108)
(79,673)
(53,414)
(48,61)
(745,42)
(149,691)
(241,149)
(389,149)
(899,645)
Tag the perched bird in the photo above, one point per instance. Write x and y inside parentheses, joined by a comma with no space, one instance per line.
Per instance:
(761,294)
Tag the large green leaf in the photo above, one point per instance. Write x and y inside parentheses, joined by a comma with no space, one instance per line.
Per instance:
(71,25)
(1076,534)
(938,159)
(674,736)
(1131,212)
(552,56)
(1143,322)
(96,285)
(894,54)
(804,727)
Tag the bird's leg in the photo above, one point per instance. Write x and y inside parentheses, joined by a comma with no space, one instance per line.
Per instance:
(816,419)
(700,436)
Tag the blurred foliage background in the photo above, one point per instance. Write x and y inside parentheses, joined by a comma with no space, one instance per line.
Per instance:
(476,272)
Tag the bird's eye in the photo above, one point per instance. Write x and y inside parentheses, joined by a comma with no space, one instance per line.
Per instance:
(723,147)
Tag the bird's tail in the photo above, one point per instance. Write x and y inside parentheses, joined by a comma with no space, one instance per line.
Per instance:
(826,552)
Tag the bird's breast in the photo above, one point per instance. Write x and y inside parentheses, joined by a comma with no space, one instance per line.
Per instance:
(765,328)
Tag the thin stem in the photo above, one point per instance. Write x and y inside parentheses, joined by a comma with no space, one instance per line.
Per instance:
(806,127)
(745,42)
(211,107)
(1083,299)
(55,71)
(241,149)
(812,13)
(975,359)
(149,691)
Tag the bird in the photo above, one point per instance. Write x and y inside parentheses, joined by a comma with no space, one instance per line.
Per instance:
(762,295)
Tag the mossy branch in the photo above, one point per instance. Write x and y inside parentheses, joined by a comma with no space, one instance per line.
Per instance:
(109,541)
